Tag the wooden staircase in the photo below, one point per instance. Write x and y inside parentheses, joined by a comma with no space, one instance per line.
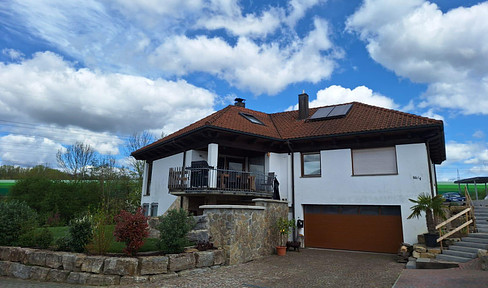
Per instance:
(467,249)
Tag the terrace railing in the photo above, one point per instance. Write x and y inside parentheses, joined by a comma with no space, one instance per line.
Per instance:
(211,180)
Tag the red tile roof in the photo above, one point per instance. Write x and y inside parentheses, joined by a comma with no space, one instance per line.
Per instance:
(286,126)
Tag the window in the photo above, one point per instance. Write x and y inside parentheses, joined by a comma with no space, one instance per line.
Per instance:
(251,118)
(154,209)
(311,164)
(377,161)
(149,176)
(145,209)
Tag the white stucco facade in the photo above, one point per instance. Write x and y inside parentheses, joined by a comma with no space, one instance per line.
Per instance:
(338,186)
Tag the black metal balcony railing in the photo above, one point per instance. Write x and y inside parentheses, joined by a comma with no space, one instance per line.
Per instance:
(211,180)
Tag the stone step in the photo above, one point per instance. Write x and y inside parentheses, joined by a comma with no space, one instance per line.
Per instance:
(479,235)
(451,258)
(481,218)
(463,249)
(475,239)
(471,255)
(483,230)
(472,244)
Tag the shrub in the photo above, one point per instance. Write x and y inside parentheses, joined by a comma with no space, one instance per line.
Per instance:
(38,238)
(101,238)
(131,229)
(174,228)
(80,233)
(62,244)
(16,218)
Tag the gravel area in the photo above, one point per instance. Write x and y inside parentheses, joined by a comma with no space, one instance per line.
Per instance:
(307,268)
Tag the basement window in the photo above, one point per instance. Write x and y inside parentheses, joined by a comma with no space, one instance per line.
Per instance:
(251,118)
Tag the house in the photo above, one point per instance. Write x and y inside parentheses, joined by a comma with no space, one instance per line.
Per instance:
(346,170)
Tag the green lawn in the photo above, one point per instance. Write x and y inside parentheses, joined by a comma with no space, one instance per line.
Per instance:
(444,187)
(115,247)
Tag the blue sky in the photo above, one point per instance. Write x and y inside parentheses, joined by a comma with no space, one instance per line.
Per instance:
(98,71)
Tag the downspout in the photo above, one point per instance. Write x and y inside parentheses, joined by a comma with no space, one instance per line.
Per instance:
(292,186)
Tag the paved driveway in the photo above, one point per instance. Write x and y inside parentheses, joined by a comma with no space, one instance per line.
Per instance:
(309,268)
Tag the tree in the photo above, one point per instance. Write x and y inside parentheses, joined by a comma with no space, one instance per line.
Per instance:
(431,206)
(76,158)
(135,142)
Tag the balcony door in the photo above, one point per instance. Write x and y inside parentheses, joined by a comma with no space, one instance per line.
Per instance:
(232,163)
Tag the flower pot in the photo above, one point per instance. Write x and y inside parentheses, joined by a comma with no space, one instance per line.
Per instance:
(281,250)
(431,240)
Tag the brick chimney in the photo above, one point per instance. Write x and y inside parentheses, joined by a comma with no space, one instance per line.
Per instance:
(240,102)
(302,106)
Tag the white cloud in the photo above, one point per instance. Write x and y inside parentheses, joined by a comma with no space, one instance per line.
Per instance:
(431,114)
(265,68)
(336,94)
(13,54)
(466,153)
(47,89)
(479,134)
(416,40)
(28,150)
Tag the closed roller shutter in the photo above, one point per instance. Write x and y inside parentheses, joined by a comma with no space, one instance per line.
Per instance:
(348,227)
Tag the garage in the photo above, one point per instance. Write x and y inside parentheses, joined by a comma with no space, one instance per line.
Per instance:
(353,227)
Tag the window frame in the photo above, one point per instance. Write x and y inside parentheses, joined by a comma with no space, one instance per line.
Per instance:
(354,173)
(251,118)
(147,192)
(302,162)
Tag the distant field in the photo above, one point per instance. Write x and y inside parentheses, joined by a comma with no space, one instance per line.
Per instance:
(5,186)
(444,187)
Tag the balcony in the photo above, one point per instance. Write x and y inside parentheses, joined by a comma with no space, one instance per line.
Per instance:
(205,181)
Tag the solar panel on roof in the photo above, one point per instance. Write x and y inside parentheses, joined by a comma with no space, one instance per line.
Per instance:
(331,112)
(322,113)
(340,110)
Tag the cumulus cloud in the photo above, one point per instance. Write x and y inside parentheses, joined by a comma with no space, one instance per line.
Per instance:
(264,68)
(47,89)
(479,134)
(416,40)
(28,150)
(466,153)
(336,94)
(49,99)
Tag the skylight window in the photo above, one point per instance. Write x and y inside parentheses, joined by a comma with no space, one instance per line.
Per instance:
(251,118)
(331,112)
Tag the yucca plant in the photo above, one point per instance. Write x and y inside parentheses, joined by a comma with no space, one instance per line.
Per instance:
(431,206)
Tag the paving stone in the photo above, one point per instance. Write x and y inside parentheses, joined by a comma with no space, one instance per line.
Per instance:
(157,278)
(99,280)
(411,264)
(125,280)
(193,271)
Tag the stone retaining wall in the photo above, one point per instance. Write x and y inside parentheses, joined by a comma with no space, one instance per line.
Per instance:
(245,233)
(75,268)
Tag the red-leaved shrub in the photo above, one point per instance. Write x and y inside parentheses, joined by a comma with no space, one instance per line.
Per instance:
(131,229)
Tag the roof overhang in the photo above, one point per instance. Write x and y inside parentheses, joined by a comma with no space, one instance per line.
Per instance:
(199,138)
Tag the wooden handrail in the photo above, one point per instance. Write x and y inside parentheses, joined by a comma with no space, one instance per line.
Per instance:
(453,217)
(454,231)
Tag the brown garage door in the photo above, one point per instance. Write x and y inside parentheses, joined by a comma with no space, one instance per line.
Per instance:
(347,227)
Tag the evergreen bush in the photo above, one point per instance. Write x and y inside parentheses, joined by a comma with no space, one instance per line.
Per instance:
(174,228)
(16,218)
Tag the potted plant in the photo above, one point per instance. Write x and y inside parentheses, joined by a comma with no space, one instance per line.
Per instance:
(432,207)
(283,226)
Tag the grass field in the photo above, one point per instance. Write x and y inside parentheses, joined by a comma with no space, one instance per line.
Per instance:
(444,187)
(115,247)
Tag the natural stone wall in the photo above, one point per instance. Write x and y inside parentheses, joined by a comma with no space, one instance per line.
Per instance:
(245,233)
(76,268)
